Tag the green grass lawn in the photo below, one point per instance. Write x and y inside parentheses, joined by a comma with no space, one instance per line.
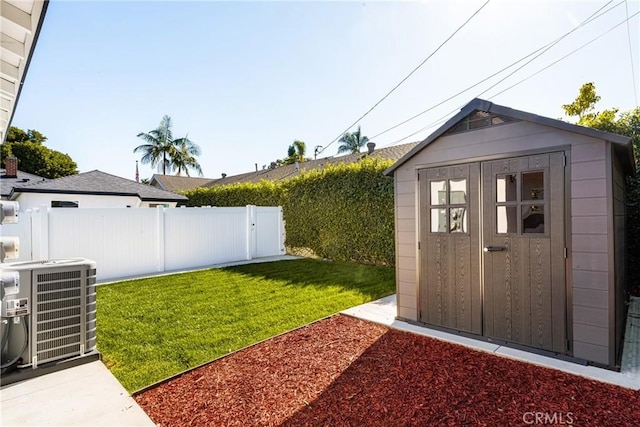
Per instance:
(150,329)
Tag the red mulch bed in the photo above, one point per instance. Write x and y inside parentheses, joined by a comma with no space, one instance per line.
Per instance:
(343,371)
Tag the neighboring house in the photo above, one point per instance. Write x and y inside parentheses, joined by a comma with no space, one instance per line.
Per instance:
(11,176)
(289,171)
(182,183)
(93,189)
(176,184)
(511,227)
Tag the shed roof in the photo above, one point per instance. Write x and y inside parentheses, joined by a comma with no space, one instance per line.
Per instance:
(623,143)
(99,183)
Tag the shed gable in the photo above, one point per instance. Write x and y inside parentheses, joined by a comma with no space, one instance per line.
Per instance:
(479,119)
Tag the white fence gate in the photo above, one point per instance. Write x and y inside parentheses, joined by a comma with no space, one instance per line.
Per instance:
(131,242)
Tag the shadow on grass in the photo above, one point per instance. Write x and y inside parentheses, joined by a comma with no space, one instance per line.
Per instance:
(373,281)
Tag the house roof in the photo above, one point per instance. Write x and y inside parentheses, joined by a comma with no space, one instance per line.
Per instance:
(7,183)
(99,183)
(285,172)
(623,143)
(176,184)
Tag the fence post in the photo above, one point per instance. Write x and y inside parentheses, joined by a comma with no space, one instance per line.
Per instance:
(160,253)
(281,231)
(251,227)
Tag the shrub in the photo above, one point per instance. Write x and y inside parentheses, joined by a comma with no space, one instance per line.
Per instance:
(342,212)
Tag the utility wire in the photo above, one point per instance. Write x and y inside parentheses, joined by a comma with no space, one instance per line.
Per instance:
(409,75)
(633,73)
(571,53)
(443,118)
(544,48)
(452,96)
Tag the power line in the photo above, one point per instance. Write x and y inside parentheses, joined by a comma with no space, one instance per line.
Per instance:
(570,53)
(409,75)
(453,96)
(441,119)
(633,73)
(544,48)
(590,18)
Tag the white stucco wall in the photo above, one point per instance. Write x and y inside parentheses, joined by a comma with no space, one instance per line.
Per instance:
(36,200)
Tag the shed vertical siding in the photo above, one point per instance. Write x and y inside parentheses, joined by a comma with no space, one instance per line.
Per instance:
(406,244)
(590,252)
(620,249)
(595,224)
(477,145)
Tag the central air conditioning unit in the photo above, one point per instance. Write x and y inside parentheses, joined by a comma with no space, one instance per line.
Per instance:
(48,311)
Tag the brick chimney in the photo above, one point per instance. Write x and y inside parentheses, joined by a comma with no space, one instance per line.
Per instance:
(11,167)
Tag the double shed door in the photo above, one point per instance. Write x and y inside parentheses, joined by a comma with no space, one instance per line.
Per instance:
(493,259)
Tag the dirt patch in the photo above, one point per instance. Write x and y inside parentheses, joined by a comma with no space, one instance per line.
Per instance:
(347,372)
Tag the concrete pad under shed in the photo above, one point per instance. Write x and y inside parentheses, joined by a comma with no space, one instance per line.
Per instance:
(383,311)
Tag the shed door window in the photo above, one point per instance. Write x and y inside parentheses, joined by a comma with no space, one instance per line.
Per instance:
(448,205)
(520,203)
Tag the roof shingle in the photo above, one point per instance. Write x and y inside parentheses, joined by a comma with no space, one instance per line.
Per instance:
(99,183)
(285,172)
(7,183)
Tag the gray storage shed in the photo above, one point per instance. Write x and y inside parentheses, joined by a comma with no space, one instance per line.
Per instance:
(511,227)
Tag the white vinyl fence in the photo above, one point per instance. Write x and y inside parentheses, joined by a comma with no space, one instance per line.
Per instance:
(131,242)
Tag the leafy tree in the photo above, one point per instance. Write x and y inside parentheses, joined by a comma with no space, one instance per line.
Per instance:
(352,142)
(31,135)
(160,147)
(35,158)
(295,153)
(626,123)
(584,103)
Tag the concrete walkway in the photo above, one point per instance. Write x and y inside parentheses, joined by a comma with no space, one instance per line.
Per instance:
(383,311)
(85,395)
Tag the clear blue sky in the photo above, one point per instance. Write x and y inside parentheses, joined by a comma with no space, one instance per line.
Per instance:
(246,79)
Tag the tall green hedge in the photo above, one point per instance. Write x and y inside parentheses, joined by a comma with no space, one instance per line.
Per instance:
(265,193)
(342,212)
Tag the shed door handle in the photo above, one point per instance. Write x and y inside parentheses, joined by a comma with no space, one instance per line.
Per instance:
(495,248)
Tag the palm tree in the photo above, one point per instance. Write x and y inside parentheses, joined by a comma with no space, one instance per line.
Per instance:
(296,153)
(186,158)
(352,142)
(161,148)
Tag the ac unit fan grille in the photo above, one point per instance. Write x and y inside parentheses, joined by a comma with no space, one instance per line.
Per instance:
(61,275)
(59,300)
(60,323)
(43,317)
(58,286)
(45,336)
(59,353)
(59,295)
(58,305)
(57,343)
